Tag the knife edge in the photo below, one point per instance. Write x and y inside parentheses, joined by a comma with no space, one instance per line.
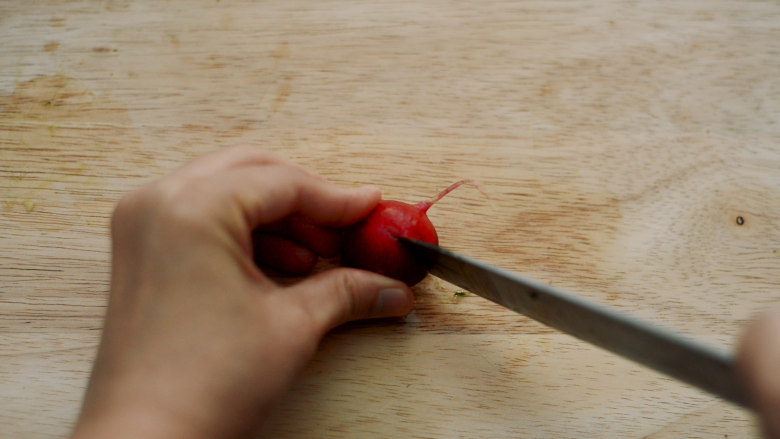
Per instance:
(653,346)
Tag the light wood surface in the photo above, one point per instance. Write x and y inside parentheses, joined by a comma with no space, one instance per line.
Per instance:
(619,142)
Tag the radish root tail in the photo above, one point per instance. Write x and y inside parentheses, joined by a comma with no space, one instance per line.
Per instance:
(425,205)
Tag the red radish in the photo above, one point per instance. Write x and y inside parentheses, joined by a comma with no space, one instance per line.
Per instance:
(372,245)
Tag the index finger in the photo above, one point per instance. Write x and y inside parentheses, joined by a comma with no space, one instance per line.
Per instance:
(265,194)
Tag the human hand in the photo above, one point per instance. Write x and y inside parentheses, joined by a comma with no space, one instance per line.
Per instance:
(759,366)
(198,342)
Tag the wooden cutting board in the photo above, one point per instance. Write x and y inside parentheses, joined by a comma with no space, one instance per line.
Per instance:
(631,152)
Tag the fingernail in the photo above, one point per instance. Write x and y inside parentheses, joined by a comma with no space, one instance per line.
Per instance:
(393,302)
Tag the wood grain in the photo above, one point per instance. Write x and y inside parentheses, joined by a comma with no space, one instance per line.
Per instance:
(619,142)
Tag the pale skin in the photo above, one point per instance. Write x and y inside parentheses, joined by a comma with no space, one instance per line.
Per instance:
(199,343)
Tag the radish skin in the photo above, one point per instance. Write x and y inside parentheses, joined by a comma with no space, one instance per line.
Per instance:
(372,243)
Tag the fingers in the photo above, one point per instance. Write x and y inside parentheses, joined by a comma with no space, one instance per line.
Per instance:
(759,366)
(321,240)
(341,295)
(269,193)
(293,245)
(279,253)
(238,190)
(244,188)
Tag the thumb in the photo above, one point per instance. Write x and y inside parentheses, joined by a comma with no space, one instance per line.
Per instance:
(341,295)
(758,365)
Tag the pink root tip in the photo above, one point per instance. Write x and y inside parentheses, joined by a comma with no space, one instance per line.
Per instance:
(425,205)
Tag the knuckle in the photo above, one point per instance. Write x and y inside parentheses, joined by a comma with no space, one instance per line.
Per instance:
(253,152)
(127,209)
(243,149)
(163,202)
(180,205)
(342,302)
(125,206)
(183,202)
(347,293)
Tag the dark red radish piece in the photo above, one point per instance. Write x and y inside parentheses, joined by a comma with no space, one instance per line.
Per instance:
(372,243)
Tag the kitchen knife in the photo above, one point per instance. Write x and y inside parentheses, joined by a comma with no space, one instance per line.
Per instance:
(665,351)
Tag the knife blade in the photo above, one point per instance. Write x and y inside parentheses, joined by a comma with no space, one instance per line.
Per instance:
(663,350)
